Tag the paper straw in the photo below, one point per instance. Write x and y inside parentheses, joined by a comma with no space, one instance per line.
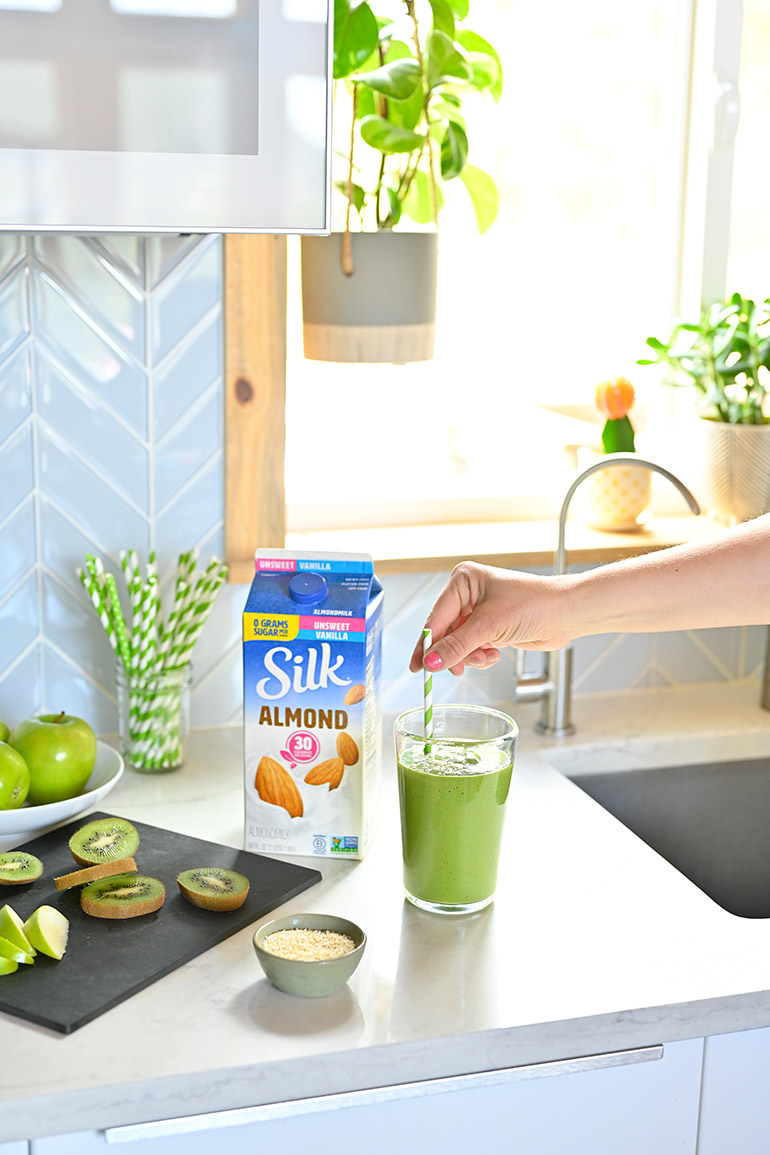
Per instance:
(427,641)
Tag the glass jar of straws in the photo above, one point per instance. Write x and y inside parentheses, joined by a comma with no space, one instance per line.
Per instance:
(154,717)
(153,650)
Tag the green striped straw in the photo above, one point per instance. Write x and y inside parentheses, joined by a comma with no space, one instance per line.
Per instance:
(133,575)
(427,641)
(118,621)
(98,600)
(200,614)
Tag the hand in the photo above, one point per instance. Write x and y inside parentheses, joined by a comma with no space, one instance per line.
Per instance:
(482,609)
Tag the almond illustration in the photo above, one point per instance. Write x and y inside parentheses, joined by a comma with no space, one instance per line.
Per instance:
(355,694)
(276,786)
(330,771)
(347,749)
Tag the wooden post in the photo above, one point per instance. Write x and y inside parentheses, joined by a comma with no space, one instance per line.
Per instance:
(255,398)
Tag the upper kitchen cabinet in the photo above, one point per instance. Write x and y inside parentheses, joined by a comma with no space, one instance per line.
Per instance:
(165,115)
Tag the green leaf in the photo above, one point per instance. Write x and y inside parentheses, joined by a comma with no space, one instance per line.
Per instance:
(445,110)
(366,101)
(454,151)
(356,36)
(389,138)
(395,205)
(418,202)
(618,436)
(459,7)
(477,45)
(443,17)
(359,196)
(445,63)
(397,79)
(483,193)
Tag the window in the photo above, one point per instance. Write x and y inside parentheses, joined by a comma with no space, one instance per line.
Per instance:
(748,264)
(580,267)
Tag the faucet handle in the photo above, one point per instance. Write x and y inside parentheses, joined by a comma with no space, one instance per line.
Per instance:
(530,687)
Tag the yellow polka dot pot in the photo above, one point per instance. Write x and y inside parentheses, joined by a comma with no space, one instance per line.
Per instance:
(616,498)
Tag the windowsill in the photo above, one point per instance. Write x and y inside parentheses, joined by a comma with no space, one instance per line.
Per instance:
(511,544)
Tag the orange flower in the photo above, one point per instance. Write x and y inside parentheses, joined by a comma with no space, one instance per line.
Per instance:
(614,398)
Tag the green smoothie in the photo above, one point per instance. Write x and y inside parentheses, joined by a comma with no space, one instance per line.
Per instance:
(452,809)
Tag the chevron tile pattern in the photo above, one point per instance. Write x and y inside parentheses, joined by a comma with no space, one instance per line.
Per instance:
(111,435)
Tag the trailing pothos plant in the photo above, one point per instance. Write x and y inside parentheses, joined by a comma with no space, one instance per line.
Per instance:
(404,72)
(726,356)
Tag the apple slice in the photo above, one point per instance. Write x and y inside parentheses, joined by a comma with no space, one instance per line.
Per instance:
(12,929)
(47,929)
(7,966)
(9,950)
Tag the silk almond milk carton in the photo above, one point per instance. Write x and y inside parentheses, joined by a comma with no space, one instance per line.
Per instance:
(312,643)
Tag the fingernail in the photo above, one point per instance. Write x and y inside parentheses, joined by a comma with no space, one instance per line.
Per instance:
(433,662)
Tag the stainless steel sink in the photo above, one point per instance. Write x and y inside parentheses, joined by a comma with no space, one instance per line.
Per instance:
(710,821)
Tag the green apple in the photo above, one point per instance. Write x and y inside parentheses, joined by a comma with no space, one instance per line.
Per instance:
(47,929)
(60,752)
(4,732)
(14,778)
(12,930)
(10,951)
(8,966)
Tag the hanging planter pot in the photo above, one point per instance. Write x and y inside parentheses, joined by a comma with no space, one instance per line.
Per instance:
(369,297)
(734,469)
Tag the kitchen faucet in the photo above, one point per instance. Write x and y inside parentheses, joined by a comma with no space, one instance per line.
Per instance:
(554,685)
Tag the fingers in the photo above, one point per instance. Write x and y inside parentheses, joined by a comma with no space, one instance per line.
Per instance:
(467,645)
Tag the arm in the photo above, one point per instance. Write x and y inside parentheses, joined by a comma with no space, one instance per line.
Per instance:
(722,580)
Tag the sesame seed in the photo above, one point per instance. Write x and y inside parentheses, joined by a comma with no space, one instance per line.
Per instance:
(308,945)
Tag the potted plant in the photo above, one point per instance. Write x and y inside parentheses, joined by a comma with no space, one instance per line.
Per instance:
(617,497)
(405,71)
(725,357)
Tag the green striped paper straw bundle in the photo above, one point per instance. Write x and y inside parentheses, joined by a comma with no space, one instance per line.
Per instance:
(152,650)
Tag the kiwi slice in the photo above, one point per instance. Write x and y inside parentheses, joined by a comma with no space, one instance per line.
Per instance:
(16,866)
(214,887)
(122,896)
(104,840)
(91,873)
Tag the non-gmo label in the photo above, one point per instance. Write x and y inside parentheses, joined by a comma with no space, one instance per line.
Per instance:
(345,845)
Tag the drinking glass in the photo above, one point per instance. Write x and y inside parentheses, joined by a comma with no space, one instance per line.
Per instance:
(453,788)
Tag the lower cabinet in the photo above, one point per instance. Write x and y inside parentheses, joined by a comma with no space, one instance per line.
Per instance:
(735,1103)
(605,1105)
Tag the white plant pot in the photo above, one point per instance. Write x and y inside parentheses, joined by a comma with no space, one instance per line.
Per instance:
(384,311)
(616,498)
(733,470)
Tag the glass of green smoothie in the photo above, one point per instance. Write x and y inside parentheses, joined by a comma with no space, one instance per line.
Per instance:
(453,787)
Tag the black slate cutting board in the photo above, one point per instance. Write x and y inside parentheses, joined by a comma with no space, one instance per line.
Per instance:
(108,960)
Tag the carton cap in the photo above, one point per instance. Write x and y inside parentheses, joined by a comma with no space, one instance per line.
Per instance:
(307,589)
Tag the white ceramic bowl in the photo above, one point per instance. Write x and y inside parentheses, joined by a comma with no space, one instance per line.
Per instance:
(33,820)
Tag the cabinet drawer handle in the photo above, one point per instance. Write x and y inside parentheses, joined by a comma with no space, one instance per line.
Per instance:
(239,1116)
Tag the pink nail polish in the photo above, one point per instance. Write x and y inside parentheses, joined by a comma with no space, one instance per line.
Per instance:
(433,662)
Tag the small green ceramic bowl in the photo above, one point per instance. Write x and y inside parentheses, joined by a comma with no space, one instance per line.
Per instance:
(312,979)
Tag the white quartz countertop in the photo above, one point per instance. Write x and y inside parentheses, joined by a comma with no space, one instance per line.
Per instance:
(593,944)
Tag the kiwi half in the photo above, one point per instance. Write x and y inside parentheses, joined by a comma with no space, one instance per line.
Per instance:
(122,896)
(91,873)
(214,887)
(16,867)
(104,840)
